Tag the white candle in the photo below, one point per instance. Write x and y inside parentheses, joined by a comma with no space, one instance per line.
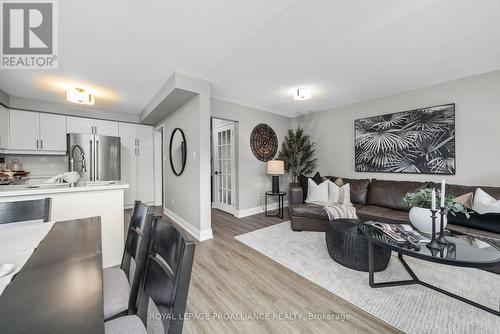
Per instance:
(433,199)
(443,184)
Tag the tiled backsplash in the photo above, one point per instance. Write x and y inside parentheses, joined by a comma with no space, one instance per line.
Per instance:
(41,166)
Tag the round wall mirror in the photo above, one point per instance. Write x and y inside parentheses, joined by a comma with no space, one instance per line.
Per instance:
(177,151)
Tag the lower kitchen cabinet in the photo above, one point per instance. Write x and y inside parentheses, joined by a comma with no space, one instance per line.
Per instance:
(137,171)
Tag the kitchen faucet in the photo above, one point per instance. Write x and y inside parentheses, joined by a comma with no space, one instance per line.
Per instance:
(72,159)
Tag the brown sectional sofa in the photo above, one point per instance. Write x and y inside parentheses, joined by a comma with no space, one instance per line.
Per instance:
(380,200)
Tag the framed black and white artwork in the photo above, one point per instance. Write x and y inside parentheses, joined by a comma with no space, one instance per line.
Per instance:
(420,141)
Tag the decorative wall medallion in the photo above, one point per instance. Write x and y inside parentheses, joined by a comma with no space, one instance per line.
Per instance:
(420,141)
(264,142)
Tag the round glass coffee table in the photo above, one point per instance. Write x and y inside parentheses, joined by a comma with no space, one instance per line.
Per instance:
(462,250)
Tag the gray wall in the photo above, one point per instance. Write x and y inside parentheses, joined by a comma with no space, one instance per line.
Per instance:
(184,189)
(252,181)
(191,190)
(477,102)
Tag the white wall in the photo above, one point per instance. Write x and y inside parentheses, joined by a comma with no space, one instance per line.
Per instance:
(4,98)
(70,109)
(252,181)
(477,103)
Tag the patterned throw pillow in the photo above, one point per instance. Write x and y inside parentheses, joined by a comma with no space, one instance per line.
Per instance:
(466,200)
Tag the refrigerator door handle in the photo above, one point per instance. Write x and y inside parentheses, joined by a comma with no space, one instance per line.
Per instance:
(97,160)
(91,163)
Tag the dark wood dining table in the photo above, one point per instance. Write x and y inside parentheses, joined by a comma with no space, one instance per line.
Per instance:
(59,289)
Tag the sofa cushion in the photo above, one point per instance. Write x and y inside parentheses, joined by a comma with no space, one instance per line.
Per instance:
(379,213)
(398,216)
(371,212)
(309,210)
(303,181)
(390,194)
(488,222)
(458,190)
(359,188)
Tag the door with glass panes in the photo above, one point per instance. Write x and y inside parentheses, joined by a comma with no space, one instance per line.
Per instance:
(224,167)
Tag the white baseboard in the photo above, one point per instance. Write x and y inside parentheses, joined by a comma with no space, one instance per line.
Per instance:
(195,232)
(256,210)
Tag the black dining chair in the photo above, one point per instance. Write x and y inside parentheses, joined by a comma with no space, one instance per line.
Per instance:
(19,211)
(120,285)
(166,283)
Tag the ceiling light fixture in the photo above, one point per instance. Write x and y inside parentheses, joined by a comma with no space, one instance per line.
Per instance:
(302,94)
(80,96)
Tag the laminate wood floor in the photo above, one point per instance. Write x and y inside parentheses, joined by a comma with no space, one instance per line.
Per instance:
(235,289)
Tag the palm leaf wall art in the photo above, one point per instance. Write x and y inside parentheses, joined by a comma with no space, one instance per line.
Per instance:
(420,141)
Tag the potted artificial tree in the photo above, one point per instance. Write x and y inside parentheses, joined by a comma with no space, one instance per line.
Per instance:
(297,152)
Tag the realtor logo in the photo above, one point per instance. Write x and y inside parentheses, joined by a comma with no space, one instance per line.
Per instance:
(29,34)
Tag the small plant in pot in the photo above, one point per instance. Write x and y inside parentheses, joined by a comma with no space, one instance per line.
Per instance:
(420,212)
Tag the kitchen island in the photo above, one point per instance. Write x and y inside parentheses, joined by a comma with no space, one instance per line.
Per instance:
(81,201)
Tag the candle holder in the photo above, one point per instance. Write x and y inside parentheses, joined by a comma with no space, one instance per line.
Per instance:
(433,244)
(441,239)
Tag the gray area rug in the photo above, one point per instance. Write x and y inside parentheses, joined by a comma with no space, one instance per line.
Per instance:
(412,309)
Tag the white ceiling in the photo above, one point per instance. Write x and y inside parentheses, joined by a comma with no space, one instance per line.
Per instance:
(255,52)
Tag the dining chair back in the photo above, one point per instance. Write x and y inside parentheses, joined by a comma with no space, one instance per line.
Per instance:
(167,277)
(19,211)
(136,247)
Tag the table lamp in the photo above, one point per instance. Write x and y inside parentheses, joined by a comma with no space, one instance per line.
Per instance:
(275,168)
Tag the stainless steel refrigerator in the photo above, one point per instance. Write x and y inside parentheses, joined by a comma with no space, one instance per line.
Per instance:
(96,158)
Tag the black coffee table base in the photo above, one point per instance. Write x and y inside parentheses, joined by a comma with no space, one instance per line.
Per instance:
(415,280)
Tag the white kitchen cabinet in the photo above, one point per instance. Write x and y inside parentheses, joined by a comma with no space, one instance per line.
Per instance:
(4,127)
(137,135)
(36,133)
(128,134)
(106,128)
(137,171)
(145,175)
(24,130)
(129,173)
(92,126)
(144,136)
(52,132)
(80,125)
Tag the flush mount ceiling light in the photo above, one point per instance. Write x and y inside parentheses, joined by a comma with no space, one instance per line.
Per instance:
(80,96)
(302,94)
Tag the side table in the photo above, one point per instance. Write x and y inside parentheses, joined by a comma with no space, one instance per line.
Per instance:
(281,200)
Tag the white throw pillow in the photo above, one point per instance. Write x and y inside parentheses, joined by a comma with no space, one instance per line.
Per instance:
(317,192)
(484,203)
(341,195)
(333,192)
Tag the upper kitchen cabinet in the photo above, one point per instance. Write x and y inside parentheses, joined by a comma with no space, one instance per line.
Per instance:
(4,127)
(128,134)
(52,132)
(24,130)
(144,136)
(36,133)
(106,128)
(80,125)
(92,126)
(136,135)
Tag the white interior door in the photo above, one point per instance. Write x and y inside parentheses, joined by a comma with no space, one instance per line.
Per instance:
(224,167)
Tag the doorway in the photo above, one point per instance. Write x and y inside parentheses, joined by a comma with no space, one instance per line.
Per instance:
(224,165)
(159,165)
